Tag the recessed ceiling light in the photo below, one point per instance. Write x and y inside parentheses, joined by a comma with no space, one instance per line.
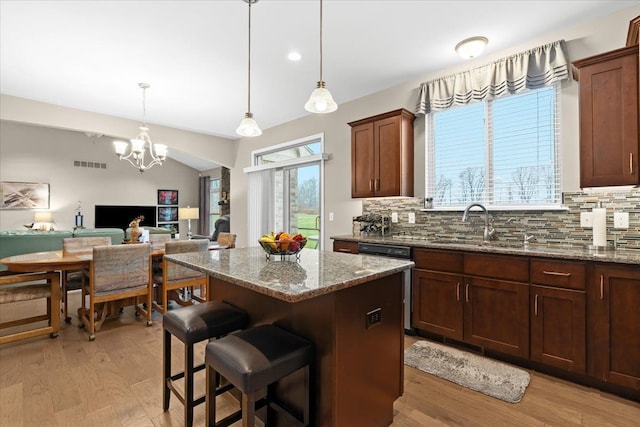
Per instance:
(471,47)
(294,56)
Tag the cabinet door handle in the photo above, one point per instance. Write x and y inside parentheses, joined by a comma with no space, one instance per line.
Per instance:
(535,306)
(344,250)
(601,286)
(458,292)
(466,292)
(630,163)
(370,185)
(556,273)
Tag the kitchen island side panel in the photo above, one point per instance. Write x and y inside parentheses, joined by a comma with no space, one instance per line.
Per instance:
(356,367)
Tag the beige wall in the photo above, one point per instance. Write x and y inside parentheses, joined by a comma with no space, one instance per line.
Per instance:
(39,154)
(214,149)
(584,40)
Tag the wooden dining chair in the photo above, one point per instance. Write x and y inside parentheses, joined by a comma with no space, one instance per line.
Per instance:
(73,279)
(117,272)
(175,276)
(17,287)
(227,239)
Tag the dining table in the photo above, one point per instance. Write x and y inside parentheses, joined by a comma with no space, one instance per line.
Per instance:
(35,262)
(58,261)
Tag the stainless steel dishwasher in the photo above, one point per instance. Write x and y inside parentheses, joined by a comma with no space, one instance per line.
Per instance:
(394,251)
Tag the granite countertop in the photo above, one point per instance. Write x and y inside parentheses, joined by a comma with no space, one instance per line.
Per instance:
(573,252)
(315,273)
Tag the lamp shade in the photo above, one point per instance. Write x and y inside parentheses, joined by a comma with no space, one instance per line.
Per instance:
(188,213)
(43,217)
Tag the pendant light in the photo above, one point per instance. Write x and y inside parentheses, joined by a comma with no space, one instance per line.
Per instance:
(321,100)
(248,126)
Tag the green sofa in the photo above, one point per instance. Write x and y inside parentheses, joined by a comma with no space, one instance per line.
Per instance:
(16,242)
(116,234)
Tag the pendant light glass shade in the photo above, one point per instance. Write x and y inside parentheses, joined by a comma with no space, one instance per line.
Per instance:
(248,126)
(321,101)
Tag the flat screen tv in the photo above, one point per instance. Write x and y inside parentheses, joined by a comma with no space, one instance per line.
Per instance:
(111,216)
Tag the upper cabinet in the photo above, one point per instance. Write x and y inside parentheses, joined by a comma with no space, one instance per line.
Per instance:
(382,155)
(609,142)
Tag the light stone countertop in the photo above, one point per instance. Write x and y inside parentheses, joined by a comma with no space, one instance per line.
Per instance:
(315,273)
(569,252)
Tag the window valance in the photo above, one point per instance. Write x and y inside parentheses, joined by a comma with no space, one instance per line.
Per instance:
(532,69)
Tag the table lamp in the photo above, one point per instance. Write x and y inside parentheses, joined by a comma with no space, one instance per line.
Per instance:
(188,213)
(43,221)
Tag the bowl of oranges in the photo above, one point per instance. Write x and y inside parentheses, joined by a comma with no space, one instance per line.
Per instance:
(282,243)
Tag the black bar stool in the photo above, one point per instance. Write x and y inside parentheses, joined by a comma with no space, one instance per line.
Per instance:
(254,359)
(191,325)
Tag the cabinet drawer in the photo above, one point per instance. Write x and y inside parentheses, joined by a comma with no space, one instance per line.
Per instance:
(428,259)
(503,267)
(563,274)
(344,246)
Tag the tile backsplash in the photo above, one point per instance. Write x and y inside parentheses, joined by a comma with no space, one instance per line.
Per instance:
(550,226)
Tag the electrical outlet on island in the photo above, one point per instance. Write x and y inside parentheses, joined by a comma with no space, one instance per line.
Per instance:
(412,218)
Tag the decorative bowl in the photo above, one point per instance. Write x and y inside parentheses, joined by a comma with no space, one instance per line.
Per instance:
(283,247)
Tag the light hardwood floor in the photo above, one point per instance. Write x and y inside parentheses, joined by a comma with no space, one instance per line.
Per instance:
(116,381)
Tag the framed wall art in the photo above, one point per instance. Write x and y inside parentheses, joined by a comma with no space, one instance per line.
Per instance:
(24,195)
(168,197)
(167,214)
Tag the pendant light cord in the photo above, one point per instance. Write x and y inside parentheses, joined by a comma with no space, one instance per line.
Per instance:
(249,67)
(321,40)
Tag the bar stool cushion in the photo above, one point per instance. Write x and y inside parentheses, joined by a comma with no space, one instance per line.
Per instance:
(199,322)
(254,358)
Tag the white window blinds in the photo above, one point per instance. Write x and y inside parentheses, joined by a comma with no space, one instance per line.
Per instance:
(502,153)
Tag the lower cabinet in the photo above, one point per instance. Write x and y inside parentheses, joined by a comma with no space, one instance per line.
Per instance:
(613,328)
(558,313)
(483,311)
(496,315)
(558,327)
(438,306)
(578,316)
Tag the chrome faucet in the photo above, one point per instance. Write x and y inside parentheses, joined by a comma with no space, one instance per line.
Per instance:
(488,232)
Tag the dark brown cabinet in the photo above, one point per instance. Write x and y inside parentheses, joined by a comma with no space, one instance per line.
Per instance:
(438,303)
(609,142)
(382,155)
(496,295)
(558,314)
(345,246)
(613,328)
(462,296)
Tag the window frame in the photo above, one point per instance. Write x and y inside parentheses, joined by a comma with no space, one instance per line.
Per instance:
(489,167)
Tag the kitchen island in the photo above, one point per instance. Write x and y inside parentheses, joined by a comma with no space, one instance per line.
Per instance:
(349,306)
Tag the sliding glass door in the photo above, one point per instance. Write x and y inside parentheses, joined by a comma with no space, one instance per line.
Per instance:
(297,201)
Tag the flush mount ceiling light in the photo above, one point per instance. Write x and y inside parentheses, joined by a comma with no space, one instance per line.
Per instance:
(248,126)
(158,152)
(321,100)
(471,47)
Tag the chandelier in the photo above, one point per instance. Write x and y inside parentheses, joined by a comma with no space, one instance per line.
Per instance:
(321,101)
(158,152)
(248,126)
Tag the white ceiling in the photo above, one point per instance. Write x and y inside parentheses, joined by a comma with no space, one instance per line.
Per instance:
(91,55)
